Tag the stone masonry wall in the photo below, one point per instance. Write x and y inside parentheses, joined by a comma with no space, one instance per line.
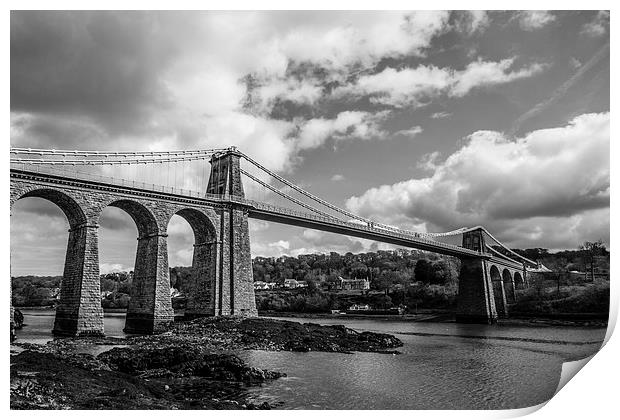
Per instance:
(475,300)
(79,311)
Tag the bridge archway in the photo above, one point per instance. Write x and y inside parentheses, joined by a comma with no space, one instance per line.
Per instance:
(79,287)
(519,283)
(69,206)
(200,288)
(509,289)
(498,291)
(150,306)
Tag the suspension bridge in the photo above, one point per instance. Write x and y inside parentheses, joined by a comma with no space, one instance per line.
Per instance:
(217,191)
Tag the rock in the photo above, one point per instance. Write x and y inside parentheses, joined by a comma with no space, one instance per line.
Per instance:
(18,319)
(141,359)
(183,361)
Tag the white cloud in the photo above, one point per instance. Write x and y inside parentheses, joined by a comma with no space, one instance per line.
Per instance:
(539,183)
(348,124)
(256,225)
(337,177)
(575,63)
(410,132)
(598,26)
(440,115)
(105,268)
(535,19)
(488,73)
(179,76)
(272,249)
(281,244)
(418,86)
(362,38)
(479,20)
(400,88)
(472,21)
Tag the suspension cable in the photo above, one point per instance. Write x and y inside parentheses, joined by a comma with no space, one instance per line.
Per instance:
(304,192)
(285,195)
(84,153)
(107,161)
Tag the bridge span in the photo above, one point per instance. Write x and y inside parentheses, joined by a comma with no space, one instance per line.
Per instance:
(222,282)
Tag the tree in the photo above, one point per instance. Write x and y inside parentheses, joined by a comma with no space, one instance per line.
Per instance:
(423,271)
(312,287)
(560,266)
(590,251)
(384,281)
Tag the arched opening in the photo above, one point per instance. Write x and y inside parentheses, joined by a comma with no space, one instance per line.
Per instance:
(180,253)
(117,257)
(498,292)
(78,308)
(198,282)
(149,309)
(509,289)
(39,233)
(519,283)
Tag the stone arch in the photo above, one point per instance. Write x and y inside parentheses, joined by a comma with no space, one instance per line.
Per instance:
(519,283)
(498,291)
(143,217)
(150,306)
(79,309)
(509,288)
(201,288)
(69,206)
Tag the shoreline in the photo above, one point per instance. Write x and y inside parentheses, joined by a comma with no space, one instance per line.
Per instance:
(586,320)
(194,366)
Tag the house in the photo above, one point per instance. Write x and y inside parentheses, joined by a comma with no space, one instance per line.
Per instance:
(290,283)
(260,285)
(354,284)
(302,283)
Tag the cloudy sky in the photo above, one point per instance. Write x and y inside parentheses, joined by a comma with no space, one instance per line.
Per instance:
(425,120)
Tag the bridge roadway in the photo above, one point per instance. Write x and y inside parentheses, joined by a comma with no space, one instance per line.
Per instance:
(256,209)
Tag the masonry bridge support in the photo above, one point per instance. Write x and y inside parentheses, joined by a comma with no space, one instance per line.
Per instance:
(486,285)
(221,282)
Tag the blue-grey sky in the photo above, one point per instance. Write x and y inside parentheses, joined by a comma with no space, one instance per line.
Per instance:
(425,120)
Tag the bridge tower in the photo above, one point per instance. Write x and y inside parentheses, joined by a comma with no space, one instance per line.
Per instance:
(476,303)
(234,287)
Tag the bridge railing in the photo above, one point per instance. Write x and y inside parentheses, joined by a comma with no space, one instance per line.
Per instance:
(121,182)
(358,226)
(381,229)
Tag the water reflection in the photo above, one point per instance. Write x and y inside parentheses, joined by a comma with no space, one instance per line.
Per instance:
(442,365)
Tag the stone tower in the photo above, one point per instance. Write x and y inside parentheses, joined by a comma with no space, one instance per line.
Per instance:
(235,286)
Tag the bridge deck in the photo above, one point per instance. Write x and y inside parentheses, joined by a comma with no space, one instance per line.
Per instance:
(257,210)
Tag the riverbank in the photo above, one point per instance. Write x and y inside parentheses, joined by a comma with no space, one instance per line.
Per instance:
(192,366)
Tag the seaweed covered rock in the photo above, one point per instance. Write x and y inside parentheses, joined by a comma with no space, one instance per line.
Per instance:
(182,361)
(271,334)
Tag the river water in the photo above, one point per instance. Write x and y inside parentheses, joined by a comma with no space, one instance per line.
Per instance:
(442,365)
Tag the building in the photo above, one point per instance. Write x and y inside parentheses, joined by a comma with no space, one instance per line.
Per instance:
(352,284)
(355,284)
(295,284)
(290,283)
(261,285)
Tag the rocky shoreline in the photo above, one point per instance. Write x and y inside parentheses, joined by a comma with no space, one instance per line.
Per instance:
(190,367)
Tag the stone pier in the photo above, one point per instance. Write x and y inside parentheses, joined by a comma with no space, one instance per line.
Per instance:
(79,310)
(235,288)
(150,304)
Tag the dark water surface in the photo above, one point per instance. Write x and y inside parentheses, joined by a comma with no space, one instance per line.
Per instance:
(442,365)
